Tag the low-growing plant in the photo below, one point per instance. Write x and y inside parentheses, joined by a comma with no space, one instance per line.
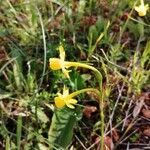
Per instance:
(57,135)
(139,74)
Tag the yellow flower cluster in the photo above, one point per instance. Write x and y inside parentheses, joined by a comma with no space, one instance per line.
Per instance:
(59,63)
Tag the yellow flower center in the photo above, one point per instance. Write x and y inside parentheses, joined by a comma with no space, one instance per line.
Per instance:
(55,63)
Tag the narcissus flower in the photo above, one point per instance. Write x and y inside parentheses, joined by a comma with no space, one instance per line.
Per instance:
(142,9)
(65,99)
(68,99)
(60,63)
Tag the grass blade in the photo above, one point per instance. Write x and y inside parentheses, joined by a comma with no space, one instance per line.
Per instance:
(19,132)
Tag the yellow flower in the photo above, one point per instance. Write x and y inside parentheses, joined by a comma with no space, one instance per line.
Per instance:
(68,99)
(65,99)
(60,63)
(142,9)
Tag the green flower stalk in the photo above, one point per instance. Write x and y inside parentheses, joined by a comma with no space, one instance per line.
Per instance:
(60,63)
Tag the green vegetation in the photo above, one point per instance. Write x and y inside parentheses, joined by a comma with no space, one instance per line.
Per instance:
(105,47)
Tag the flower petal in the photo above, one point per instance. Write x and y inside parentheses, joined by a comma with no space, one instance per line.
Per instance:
(137,9)
(61,52)
(65,72)
(59,102)
(146,7)
(72,101)
(70,106)
(59,94)
(65,91)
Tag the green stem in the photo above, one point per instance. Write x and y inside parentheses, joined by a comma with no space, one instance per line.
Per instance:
(77,64)
(101,96)
(101,106)
(82,91)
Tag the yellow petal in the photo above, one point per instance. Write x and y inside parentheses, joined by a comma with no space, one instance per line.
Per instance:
(72,101)
(137,9)
(70,106)
(59,95)
(62,52)
(146,7)
(65,91)
(59,102)
(65,72)
(55,63)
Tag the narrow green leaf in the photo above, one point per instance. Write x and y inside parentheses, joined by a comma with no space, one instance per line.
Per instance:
(7,147)
(17,76)
(19,132)
(5,95)
(146,55)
